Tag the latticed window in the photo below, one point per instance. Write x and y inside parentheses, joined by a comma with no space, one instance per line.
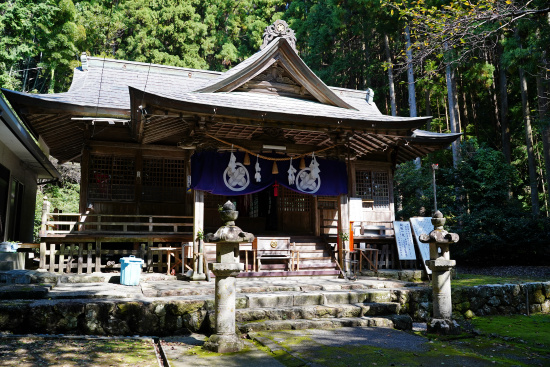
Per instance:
(163,180)
(111,178)
(374,188)
(326,202)
(292,201)
(212,201)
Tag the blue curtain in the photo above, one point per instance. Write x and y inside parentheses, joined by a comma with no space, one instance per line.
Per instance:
(210,172)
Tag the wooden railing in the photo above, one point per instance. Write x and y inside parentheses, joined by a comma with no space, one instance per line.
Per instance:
(75,223)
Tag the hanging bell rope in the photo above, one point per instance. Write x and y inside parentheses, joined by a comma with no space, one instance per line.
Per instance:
(271,158)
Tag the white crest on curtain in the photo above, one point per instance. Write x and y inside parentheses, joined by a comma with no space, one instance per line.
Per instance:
(308,180)
(235,175)
(257,176)
(291,173)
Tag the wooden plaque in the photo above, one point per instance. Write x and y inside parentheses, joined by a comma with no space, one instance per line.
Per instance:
(404,240)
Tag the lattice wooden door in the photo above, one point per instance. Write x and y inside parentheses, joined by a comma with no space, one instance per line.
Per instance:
(295,212)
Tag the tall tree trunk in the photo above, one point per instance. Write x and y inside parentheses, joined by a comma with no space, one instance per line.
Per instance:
(452,112)
(410,80)
(529,144)
(466,119)
(428,107)
(504,124)
(390,75)
(544,120)
(52,81)
(410,75)
(456,107)
(495,107)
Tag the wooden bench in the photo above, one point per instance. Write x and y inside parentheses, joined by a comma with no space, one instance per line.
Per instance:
(274,248)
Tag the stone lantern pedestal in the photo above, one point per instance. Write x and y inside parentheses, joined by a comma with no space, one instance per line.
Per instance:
(226,268)
(441,265)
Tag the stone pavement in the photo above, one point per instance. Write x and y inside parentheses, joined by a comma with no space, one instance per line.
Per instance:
(184,351)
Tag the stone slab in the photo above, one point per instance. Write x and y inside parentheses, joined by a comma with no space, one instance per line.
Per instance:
(270,300)
(95,290)
(182,351)
(23,291)
(341,337)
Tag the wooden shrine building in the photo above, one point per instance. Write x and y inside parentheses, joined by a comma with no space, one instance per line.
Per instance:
(162,147)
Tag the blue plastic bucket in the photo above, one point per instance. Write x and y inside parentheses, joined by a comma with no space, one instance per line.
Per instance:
(130,270)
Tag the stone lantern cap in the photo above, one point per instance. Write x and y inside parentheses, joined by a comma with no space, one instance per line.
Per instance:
(439,235)
(229,232)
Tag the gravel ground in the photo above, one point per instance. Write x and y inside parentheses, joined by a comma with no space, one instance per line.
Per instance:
(542,272)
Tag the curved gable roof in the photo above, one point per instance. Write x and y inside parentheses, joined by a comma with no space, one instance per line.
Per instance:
(279,50)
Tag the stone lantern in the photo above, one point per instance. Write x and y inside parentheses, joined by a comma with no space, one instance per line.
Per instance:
(441,264)
(226,268)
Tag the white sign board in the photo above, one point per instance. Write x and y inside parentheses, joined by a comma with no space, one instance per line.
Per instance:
(422,225)
(355,209)
(404,239)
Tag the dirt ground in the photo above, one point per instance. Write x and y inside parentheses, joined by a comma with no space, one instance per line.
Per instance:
(82,352)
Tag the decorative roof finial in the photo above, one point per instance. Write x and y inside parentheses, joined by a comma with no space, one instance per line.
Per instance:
(279,29)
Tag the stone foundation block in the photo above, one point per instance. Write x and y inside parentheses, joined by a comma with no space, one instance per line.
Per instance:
(270,300)
(378,296)
(338,298)
(308,299)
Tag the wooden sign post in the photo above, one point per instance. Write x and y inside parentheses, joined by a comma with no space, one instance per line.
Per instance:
(404,240)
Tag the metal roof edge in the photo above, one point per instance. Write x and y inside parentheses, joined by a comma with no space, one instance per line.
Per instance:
(10,119)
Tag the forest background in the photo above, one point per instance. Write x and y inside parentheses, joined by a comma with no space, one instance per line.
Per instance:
(478,67)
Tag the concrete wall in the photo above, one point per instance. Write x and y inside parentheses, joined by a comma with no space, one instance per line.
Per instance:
(21,172)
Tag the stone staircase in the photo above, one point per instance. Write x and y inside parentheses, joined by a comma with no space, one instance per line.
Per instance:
(96,304)
(314,260)
(322,309)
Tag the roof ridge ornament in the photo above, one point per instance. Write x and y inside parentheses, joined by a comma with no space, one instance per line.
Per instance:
(279,29)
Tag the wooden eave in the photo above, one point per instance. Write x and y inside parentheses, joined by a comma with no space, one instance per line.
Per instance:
(280,51)
(166,105)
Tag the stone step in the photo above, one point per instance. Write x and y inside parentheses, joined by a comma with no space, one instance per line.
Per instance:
(401,322)
(24,291)
(317,312)
(293,299)
(328,273)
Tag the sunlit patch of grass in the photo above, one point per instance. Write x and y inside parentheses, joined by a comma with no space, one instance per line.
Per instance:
(533,330)
(469,280)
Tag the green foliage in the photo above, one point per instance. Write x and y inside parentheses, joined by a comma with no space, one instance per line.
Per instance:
(37,41)
(65,198)
(493,227)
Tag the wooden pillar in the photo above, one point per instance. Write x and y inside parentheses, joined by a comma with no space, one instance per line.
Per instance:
(316,217)
(44,218)
(198,225)
(98,255)
(343,224)
(84,179)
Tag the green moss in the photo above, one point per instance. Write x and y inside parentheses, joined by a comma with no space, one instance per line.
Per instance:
(538,297)
(469,280)
(128,307)
(533,330)
(184,307)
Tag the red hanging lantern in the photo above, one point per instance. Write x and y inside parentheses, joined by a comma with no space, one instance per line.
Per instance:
(275,189)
